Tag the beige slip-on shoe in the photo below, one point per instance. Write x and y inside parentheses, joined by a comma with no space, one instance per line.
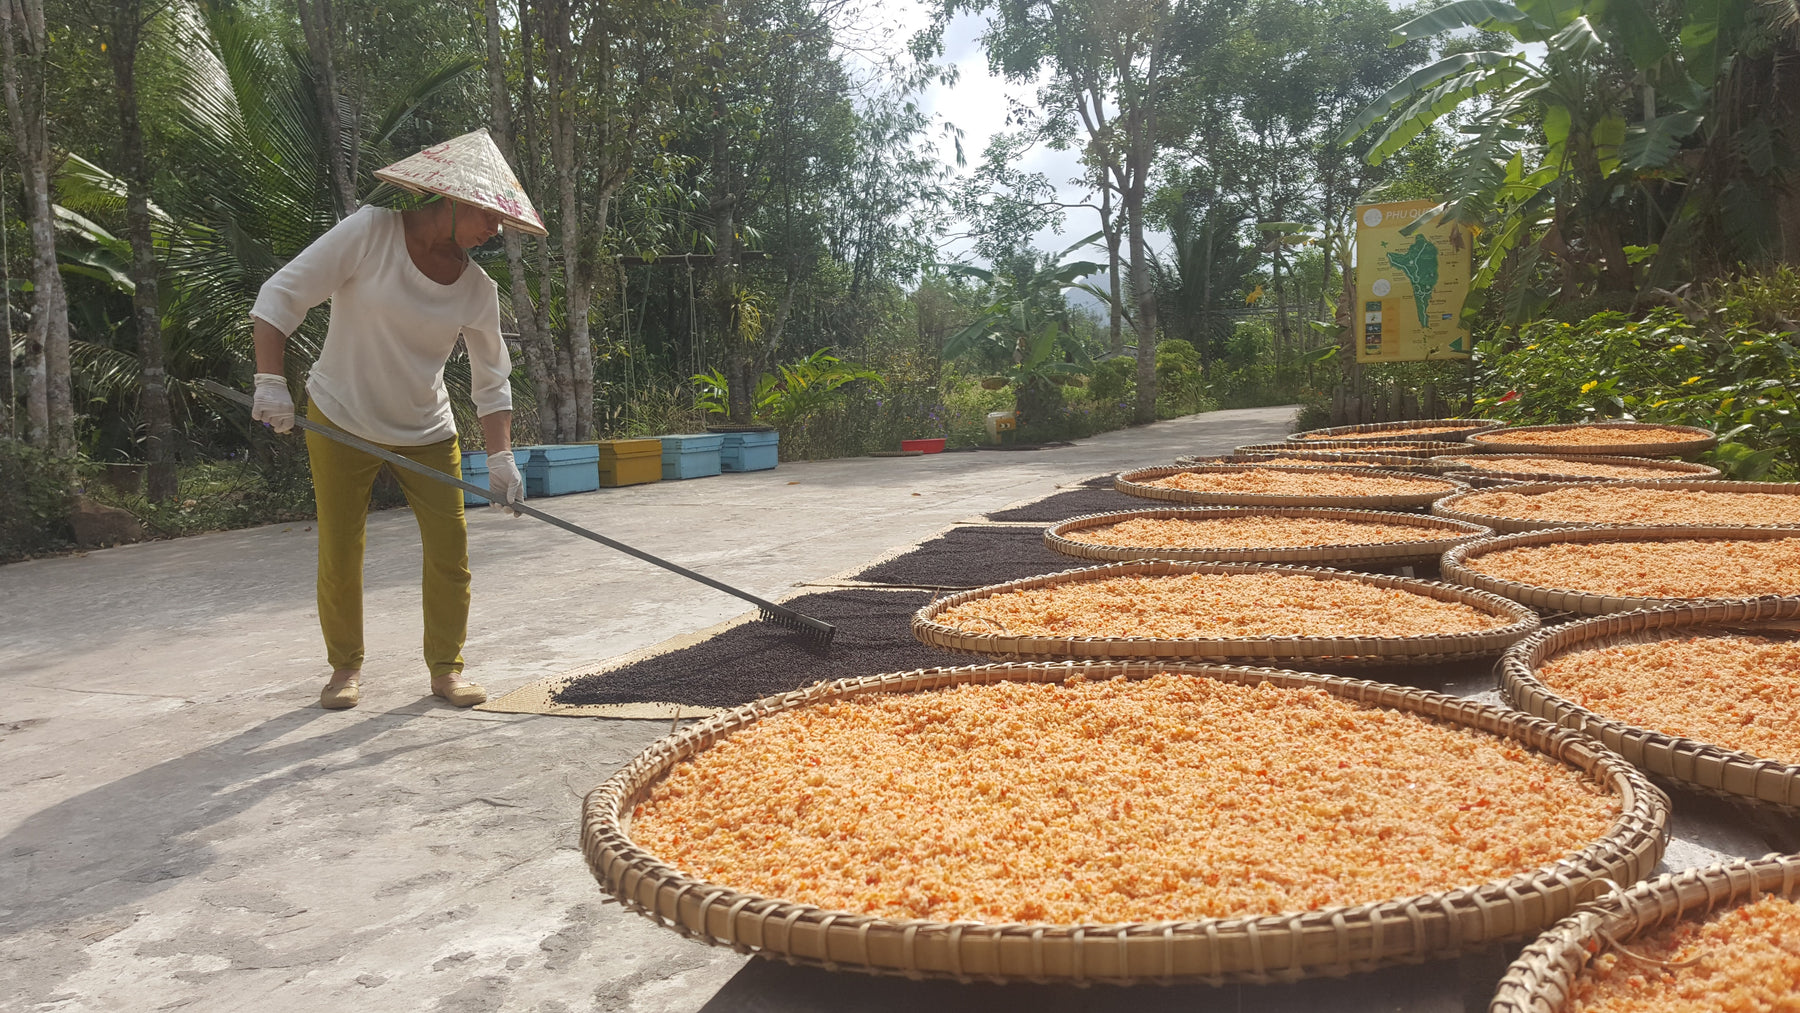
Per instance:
(458,692)
(341,697)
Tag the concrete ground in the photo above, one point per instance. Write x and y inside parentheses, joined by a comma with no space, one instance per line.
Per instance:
(183,828)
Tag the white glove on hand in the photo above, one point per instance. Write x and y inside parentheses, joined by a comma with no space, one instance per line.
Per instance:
(272,403)
(505,482)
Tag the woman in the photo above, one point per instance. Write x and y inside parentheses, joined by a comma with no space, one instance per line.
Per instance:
(403,291)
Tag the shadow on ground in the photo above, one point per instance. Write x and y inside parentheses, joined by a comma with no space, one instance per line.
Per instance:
(129,839)
(1465,985)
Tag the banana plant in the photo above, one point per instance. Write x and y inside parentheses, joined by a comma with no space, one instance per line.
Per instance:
(1023,336)
(796,390)
(1554,143)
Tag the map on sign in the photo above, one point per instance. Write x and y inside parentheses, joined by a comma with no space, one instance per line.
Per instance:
(1411,286)
(1420,265)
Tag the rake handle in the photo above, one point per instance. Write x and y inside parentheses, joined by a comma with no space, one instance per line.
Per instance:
(350,439)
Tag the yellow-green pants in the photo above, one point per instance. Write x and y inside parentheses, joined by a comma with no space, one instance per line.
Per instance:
(343,477)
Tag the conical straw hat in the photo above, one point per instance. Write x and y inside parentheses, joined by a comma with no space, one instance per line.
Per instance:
(469,169)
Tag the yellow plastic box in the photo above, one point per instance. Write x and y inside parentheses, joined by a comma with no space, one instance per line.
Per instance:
(630,462)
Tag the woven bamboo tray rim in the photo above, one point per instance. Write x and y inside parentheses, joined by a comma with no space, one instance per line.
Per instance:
(1450,506)
(1419,648)
(1250,949)
(1327,458)
(1457,566)
(1704,440)
(1394,448)
(1677,470)
(1545,973)
(1713,769)
(1481,481)
(1133,483)
(1372,431)
(1455,532)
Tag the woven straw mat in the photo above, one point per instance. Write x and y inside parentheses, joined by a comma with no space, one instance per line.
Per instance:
(1285,947)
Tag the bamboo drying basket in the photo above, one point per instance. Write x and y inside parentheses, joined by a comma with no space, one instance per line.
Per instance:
(1676,470)
(1712,769)
(1457,569)
(1476,480)
(1498,442)
(1328,458)
(1377,431)
(1450,506)
(1329,651)
(1279,948)
(1393,448)
(1134,483)
(1544,976)
(1453,534)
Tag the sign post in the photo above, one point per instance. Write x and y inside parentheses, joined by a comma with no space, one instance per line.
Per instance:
(1410,289)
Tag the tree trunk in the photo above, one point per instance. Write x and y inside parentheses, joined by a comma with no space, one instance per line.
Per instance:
(316,25)
(559,55)
(1137,168)
(1284,335)
(1785,108)
(50,403)
(554,393)
(1208,327)
(738,368)
(519,284)
(153,392)
(1348,409)
(1109,225)
(9,395)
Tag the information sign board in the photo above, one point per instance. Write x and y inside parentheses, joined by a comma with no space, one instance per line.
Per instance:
(1410,289)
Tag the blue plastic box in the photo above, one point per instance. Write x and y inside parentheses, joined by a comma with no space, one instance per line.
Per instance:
(557,469)
(749,451)
(691,455)
(475,472)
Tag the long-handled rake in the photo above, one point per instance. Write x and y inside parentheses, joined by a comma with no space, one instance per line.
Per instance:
(816,630)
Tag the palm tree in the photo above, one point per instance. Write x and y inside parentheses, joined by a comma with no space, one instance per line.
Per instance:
(250,119)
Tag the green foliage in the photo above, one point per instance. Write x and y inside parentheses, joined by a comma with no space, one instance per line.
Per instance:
(1025,337)
(1724,372)
(795,391)
(1623,118)
(655,408)
(1114,380)
(1180,384)
(966,407)
(1249,374)
(219,495)
(35,499)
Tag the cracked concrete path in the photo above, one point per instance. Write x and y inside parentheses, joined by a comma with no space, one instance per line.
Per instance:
(182,827)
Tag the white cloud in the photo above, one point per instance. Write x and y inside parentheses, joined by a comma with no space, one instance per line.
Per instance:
(978,104)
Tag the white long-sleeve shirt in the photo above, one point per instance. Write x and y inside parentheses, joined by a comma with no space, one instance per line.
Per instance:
(381,372)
